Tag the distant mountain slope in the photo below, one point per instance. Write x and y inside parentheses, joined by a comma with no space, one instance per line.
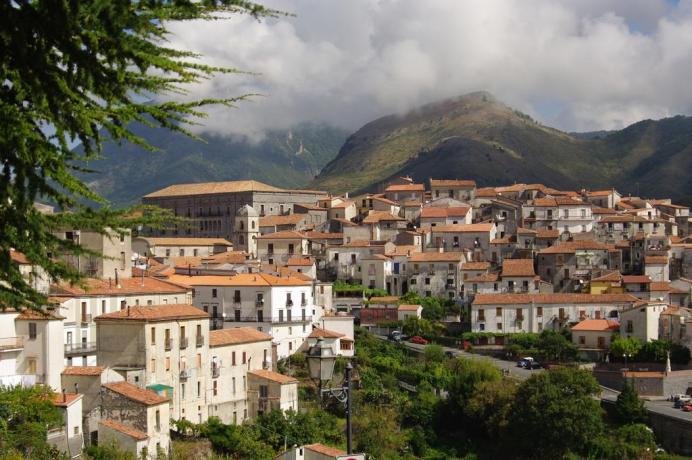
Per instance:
(477,137)
(284,159)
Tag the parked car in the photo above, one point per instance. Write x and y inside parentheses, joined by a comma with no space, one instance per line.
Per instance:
(525,362)
(535,365)
(687,408)
(449,354)
(683,401)
(419,340)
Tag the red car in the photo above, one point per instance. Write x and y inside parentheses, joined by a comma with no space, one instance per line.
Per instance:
(419,340)
(687,408)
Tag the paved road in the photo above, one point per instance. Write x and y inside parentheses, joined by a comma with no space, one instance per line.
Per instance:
(657,406)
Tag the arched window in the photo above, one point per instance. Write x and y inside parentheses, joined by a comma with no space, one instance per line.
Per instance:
(253,224)
(241,225)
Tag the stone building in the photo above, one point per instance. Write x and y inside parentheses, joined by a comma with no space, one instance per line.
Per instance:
(212,206)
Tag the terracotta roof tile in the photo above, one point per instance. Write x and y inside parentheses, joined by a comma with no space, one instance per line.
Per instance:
(164,312)
(325,333)
(597,325)
(557,298)
(475,266)
(436,257)
(83,370)
(518,267)
(128,286)
(273,376)
(65,399)
(19,257)
(405,188)
(290,219)
(208,188)
(483,278)
(570,247)
(452,183)
(525,231)
(326,450)
(408,307)
(384,299)
(124,429)
(487,192)
(638,279)
(544,233)
(240,279)
(378,216)
(300,262)
(135,393)
(655,260)
(236,335)
(612,276)
(39,315)
(659,286)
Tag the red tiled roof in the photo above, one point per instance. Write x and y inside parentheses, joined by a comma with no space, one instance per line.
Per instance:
(83,370)
(65,399)
(128,286)
(124,429)
(236,335)
(452,183)
(463,228)
(300,262)
(436,257)
(326,450)
(525,231)
(569,247)
(638,279)
(384,299)
(19,257)
(405,188)
(272,221)
(544,233)
(184,241)
(283,235)
(164,312)
(433,211)
(655,260)
(612,276)
(210,188)
(273,376)
(240,279)
(39,315)
(377,216)
(518,267)
(549,202)
(325,333)
(556,298)
(475,266)
(135,393)
(597,325)
(408,307)
(661,286)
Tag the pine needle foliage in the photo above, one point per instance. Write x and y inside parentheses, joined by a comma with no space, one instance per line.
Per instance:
(83,71)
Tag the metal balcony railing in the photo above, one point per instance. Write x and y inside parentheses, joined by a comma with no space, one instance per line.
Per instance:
(80,348)
(183,343)
(168,344)
(215,371)
(85,319)
(199,340)
(259,303)
(184,374)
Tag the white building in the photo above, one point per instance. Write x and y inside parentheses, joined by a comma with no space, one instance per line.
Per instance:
(283,307)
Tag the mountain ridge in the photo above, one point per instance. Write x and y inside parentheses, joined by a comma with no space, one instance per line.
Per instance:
(475,136)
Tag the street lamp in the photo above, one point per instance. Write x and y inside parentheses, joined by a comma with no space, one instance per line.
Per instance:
(321,361)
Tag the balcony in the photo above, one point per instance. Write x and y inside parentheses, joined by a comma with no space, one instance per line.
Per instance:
(216,323)
(289,303)
(199,340)
(304,303)
(184,374)
(83,348)
(168,344)
(264,319)
(11,344)
(86,319)
(236,300)
(183,343)
(215,371)
(259,303)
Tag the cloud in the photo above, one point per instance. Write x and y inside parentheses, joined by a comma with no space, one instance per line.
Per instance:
(576,65)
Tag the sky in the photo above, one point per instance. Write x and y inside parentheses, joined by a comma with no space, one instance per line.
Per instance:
(577,65)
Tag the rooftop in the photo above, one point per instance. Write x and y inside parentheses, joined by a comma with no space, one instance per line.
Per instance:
(597,325)
(556,298)
(325,333)
(125,286)
(209,188)
(237,335)
(240,279)
(135,393)
(325,450)
(164,312)
(452,183)
(83,370)
(273,376)
(124,429)
(518,267)
(436,257)
(156,241)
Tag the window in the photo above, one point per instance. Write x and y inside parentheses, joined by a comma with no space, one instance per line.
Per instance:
(481,315)
(168,363)
(244,381)
(153,364)
(499,326)
(153,336)
(213,293)
(244,358)
(264,391)
(199,388)
(123,304)
(158,420)
(233,358)
(103,307)
(32,331)
(215,387)
(498,311)
(539,311)
(182,390)
(582,340)
(427,281)
(236,296)
(289,302)
(233,385)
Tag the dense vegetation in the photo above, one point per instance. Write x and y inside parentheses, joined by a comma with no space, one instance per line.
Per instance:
(476,137)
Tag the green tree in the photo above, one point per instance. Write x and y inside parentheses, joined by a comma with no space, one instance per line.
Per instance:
(107,451)
(433,354)
(625,347)
(26,414)
(490,405)
(314,425)
(466,376)
(237,441)
(555,412)
(377,431)
(628,407)
(555,346)
(414,326)
(82,71)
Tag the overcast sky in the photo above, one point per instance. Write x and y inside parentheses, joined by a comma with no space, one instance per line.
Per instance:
(576,65)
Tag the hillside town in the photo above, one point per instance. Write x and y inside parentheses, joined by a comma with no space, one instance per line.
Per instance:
(191,321)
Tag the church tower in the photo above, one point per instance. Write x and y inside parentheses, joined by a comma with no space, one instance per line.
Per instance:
(246,230)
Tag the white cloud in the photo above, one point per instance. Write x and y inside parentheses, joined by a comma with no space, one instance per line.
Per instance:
(576,65)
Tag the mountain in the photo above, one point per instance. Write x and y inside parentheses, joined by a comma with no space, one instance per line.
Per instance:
(288,158)
(477,137)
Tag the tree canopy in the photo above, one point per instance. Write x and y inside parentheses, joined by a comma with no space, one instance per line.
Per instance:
(81,72)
